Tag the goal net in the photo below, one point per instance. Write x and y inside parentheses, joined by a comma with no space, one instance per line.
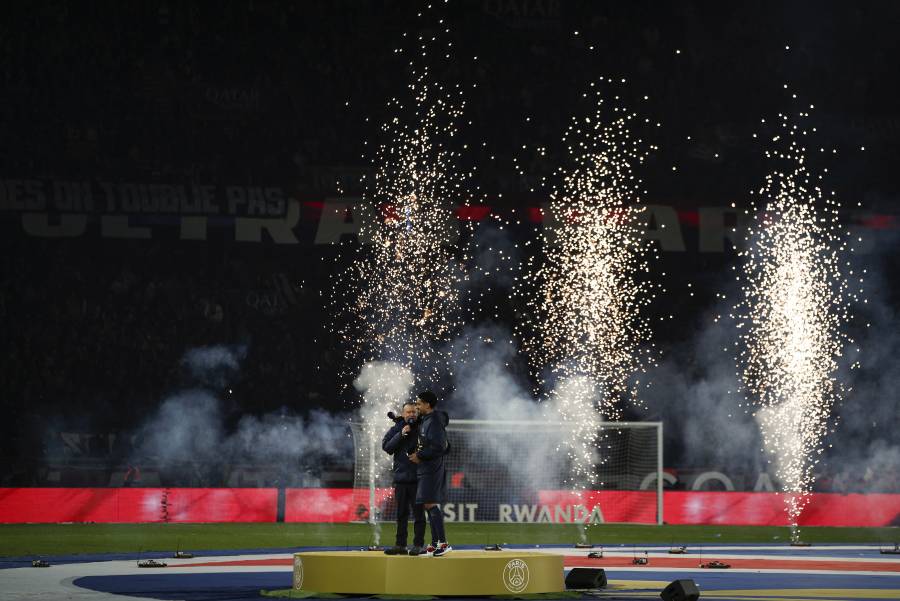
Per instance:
(520,471)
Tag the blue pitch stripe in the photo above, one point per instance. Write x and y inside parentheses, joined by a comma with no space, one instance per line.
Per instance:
(727,580)
(25,561)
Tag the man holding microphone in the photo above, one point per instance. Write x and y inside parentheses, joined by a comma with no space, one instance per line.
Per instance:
(400,441)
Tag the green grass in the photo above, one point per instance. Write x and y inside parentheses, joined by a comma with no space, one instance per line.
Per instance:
(64,539)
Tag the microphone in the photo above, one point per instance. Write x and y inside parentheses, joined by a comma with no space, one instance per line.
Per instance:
(392,416)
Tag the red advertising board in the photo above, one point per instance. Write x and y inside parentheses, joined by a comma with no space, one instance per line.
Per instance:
(137,505)
(149,505)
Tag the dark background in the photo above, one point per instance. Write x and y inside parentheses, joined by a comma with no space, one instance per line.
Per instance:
(285,93)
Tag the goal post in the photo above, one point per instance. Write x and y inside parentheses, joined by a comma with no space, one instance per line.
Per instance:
(521,472)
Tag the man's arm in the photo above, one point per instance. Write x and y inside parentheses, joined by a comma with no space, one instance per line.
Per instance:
(391,441)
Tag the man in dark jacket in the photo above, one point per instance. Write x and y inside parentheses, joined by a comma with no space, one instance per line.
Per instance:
(431,448)
(400,441)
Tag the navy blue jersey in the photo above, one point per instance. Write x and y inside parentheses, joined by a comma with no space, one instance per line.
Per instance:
(432,442)
(431,447)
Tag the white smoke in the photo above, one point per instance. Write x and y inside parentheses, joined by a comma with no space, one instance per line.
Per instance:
(695,394)
(488,385)
(485,381)
(214,366)
(187,427)
(384,386)
(863,452)
(188,431)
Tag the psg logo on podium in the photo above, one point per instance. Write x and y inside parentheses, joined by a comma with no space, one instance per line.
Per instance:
(515,576)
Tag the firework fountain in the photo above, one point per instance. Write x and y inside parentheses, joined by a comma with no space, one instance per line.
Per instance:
(587,331)
(405,286)
(792,312)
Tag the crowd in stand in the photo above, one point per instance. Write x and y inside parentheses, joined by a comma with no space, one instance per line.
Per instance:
(241,92)
(271,91)
(95,343)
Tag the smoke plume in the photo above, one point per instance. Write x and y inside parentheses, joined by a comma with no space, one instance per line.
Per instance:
(384,386)
(188,433)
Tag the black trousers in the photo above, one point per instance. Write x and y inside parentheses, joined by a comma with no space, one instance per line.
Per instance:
(405,497)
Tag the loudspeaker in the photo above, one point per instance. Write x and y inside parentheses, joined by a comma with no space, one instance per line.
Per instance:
(581,578)
(681,590)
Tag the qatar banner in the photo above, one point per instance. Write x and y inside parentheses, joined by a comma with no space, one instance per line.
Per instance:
(342,505)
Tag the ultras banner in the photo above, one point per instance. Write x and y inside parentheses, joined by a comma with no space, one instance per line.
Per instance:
(279,215)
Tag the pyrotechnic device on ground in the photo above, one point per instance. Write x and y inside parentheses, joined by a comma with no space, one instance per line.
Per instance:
(151,563)
(179,554)
(641,561)
(40,563)
(715,565)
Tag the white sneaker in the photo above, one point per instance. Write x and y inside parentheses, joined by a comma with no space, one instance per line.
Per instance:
(442,549)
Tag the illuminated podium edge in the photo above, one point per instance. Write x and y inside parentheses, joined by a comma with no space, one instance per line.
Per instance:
(475,573)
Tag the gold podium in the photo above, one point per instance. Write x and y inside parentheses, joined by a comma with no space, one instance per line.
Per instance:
(460,573)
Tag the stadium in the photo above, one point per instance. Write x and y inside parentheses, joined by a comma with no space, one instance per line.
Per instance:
(519,299)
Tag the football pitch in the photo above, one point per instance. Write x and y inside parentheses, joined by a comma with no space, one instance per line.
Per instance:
(19,540)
